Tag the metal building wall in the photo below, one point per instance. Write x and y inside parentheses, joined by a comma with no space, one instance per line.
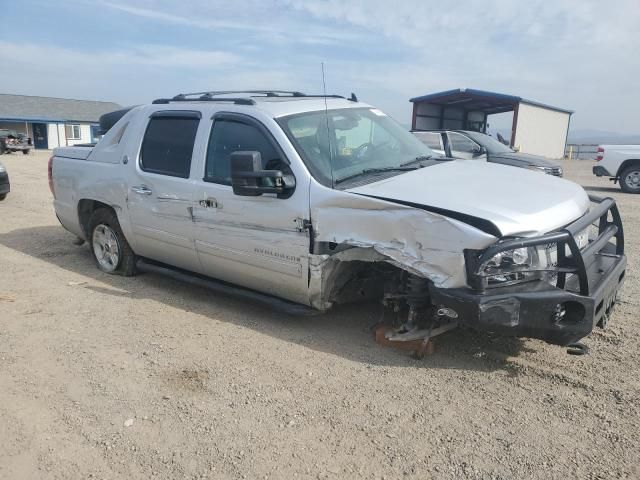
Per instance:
(541,131)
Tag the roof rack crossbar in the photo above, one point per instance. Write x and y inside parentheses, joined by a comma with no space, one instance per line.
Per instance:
(324,96)
(218,96)
(236,100)
(269,93)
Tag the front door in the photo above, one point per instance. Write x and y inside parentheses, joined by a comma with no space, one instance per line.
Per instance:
(257,242)
(160,191)
(463,147)
(40,136)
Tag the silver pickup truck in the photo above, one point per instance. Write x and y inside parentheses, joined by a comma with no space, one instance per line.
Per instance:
(321,200)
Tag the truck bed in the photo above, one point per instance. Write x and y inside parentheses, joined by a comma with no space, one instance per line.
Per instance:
(77,153)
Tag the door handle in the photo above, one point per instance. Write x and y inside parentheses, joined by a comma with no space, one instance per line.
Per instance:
(210,203)
(141,190)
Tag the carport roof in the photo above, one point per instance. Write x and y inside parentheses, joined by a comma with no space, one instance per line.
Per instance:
(48,109)
(480,100)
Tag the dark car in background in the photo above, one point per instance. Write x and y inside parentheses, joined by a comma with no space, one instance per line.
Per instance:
(466,145)
(12,141)
(5,187)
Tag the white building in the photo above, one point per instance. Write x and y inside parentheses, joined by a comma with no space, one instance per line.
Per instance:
(53,122)
(536,128)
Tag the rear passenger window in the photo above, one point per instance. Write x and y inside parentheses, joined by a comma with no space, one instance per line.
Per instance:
(167,147)
(228,136)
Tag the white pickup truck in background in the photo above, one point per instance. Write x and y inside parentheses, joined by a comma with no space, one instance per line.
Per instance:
(621,163)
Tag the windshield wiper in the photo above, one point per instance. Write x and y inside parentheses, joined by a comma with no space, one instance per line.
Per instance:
(419,158)
(401,168)
(422,157)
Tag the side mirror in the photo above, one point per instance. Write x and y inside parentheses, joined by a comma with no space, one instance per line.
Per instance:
(479,151)
(249,180)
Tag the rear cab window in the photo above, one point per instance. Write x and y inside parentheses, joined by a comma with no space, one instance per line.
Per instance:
(167,146)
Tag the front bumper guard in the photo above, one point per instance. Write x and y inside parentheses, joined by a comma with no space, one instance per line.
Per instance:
(586,289)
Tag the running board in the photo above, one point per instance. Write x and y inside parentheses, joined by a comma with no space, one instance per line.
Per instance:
(224,288)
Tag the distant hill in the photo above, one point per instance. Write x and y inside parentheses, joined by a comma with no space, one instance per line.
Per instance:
(589,136)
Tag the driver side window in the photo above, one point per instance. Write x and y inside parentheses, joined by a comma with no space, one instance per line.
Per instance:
(228,136)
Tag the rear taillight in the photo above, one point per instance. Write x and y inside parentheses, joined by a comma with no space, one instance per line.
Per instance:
(600,154)
(50,175)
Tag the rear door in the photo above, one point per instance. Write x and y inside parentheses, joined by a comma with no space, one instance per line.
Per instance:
(257,242)
(160,190)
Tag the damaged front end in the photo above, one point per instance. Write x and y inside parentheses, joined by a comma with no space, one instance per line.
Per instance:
(434,273)
(554,287)
(368,248)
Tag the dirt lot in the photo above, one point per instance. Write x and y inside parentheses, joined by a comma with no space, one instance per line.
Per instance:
(110,377)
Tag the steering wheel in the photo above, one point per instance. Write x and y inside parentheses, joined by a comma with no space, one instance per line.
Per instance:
(360,152)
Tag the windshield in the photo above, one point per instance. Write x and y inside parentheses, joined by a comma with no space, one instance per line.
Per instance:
(343,143)
(491,144)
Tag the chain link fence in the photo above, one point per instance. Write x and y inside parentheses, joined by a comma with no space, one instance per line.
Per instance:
(581,151)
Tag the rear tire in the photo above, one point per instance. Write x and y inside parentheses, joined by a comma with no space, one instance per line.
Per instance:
(3,196)
(111,251)
(630,179)
(25,152)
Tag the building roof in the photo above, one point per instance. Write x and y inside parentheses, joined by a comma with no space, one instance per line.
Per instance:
(47,109)
(480,100)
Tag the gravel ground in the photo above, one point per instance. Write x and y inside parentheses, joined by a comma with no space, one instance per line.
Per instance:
(110,377)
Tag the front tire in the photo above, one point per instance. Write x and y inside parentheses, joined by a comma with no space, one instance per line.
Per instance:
(25,152)
(630,179)
(111,251)
(3,196)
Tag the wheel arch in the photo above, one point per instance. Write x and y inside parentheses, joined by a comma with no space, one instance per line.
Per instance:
(86,207)
(626,164)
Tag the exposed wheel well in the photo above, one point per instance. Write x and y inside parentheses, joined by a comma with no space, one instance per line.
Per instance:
(86,208)
(626,164)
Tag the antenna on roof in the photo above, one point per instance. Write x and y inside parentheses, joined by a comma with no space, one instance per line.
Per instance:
(326,116)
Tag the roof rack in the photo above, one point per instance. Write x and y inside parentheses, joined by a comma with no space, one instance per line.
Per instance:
(236,100)
(218,96)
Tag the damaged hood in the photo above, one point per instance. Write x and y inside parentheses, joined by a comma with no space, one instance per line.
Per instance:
(510,200)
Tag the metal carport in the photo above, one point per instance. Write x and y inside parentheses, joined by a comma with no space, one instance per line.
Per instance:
(536,127)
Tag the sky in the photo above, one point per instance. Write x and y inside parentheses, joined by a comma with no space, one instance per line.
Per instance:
(582,55)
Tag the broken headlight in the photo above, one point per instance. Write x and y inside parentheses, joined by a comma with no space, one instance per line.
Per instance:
(549,253)
(511,266)
(528,263)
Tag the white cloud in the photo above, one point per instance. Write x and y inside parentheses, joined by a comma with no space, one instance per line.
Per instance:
(142,55)
(247,18)
(578,54)
(130,75)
